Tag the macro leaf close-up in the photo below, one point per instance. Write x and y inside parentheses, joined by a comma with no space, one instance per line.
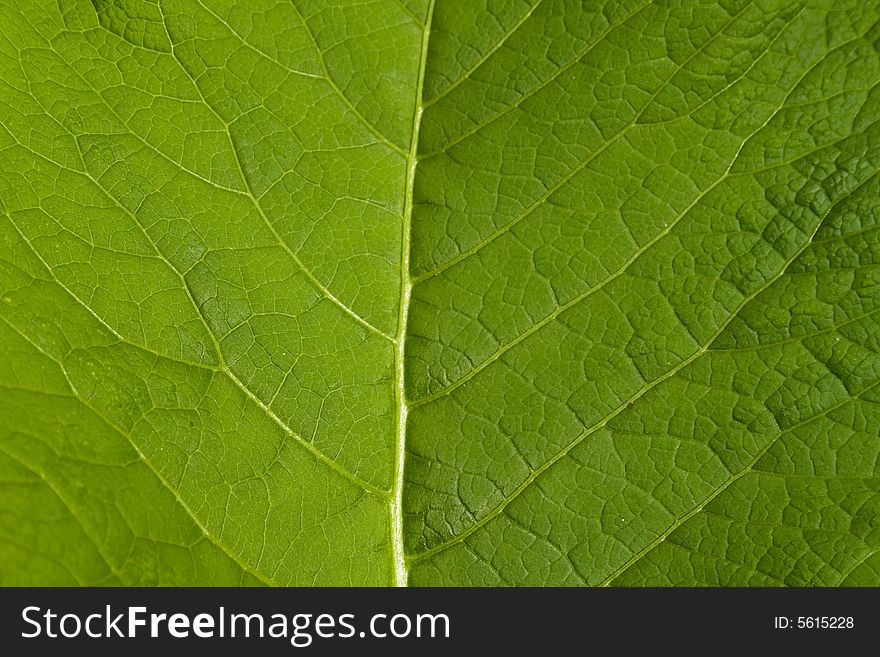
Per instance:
(440,292)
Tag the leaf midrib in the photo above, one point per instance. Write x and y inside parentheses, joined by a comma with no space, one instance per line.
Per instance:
(398,556)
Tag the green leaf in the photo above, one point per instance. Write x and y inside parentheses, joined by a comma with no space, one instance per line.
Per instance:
(506,292)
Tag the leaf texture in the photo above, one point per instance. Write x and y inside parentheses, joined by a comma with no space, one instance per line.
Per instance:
(503,292)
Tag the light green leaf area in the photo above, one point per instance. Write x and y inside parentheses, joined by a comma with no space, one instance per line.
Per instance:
(440,292)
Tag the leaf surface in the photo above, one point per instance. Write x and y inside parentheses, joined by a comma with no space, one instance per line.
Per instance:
(509,292)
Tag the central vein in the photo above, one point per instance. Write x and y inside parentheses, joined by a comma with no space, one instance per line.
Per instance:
(396,503)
